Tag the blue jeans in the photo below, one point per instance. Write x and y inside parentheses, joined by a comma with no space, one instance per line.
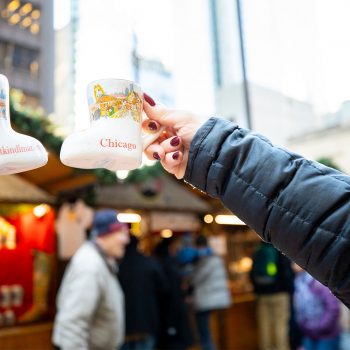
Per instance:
(344,341)
(321,344)
(144,344)
(203,325)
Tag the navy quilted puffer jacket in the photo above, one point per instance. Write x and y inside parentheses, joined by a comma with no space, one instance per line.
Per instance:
(300,206)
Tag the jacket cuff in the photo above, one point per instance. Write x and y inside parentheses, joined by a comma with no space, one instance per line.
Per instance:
(204,148)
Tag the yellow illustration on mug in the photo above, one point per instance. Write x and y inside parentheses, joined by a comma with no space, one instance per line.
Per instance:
(116,105)
(2,104)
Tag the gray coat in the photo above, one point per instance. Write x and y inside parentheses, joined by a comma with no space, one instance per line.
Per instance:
(300,206)
(90,304)
(210,286)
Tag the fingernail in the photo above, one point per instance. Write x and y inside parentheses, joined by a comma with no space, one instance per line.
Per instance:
(176,155)
(152,126)
(156,156)
(175,141)
(149,99)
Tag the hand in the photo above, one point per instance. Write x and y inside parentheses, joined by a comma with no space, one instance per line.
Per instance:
(172,148)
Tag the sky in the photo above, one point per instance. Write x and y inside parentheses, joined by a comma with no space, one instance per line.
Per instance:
(166,30)
(299,48)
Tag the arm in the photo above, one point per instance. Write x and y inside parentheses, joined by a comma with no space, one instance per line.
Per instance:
(76,309)
(299,206)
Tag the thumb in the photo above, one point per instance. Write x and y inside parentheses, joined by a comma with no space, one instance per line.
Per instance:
(157,112)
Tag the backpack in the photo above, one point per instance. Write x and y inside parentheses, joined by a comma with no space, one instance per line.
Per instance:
(264,271)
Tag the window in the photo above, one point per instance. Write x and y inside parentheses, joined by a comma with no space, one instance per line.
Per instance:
(19,57)
(22,14)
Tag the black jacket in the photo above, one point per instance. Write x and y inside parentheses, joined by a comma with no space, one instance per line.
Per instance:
(175,332)
(144,285)
(300,206)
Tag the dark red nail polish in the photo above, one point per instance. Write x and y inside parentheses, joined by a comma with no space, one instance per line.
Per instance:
(176,155)
(175,141)
(149,99)
(156,156)
(152,126)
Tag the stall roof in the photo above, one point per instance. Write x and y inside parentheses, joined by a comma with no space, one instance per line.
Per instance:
(55,177)
(14,189)
(171,195)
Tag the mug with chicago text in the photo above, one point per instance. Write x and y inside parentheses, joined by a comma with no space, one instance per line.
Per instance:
(115,139)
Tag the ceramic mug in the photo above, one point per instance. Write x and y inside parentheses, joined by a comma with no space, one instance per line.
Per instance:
(115,139)
(5,296)
(18,152)
(17,293)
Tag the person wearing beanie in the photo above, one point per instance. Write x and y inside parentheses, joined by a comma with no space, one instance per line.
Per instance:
(90,302)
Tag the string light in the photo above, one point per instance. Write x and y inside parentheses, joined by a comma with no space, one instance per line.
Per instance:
(228,220)
(35,14)
(208,219)
(34,28)
(14,19)
(166,233)
(25,9)
(129,217)
(27,21)
(13,5)
(40,210)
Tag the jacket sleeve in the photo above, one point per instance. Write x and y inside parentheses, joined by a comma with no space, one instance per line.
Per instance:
(300,206)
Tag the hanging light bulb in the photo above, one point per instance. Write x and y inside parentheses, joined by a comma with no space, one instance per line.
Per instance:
(40,210)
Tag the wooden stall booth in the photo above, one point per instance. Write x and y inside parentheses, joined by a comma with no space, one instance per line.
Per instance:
(27,255)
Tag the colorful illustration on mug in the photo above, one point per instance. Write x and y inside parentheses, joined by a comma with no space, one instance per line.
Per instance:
(118,105)
(2,104)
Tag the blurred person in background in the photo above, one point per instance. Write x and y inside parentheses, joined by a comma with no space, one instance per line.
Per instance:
(345,327)
(317,312)
(272,278)
(175,332)
(145,288)
(90,302)
(210,289)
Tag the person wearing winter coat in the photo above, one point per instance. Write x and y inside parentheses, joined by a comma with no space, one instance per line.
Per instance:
(210,290)
(298,205)
(90,302)
(175,331)
(317,313)
(145,287)
(272,278)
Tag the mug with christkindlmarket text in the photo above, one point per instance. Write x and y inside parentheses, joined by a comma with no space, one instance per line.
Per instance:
(115,139)
(18,152)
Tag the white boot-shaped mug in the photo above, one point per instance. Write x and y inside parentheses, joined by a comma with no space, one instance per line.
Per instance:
(18,152)
(115,139)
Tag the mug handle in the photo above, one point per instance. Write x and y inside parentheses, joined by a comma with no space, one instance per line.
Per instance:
(148,138)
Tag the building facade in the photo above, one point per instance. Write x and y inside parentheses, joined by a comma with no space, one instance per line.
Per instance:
(238,96)
(27,49)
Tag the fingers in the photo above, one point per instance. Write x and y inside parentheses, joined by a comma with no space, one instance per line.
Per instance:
(155,152)
(163,150)
(157,112)
(172,161)
(150,126)
(169,148)
(171,144)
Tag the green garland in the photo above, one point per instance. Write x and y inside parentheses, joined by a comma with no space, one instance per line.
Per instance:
(328,162)
(36,125)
